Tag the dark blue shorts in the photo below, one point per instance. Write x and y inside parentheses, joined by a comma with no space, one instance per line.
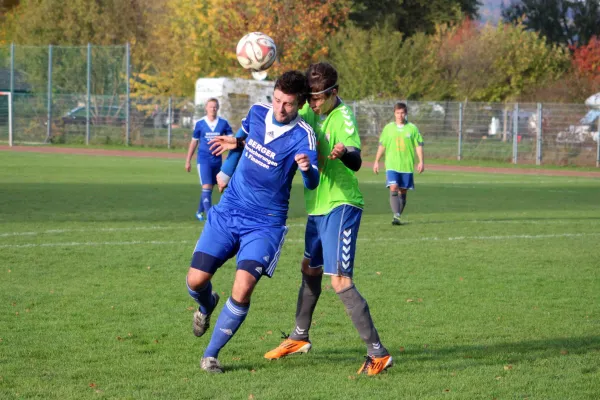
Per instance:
(330,240)
(404,180)
(208,173)
(230,232)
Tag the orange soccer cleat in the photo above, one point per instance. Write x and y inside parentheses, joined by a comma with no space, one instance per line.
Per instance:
(287,347)
(374,365)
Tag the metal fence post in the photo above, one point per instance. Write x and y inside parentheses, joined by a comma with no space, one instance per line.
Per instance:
(516,134)
(169,113)
(12,95)
(538,158)
(127,100)
(49,126)
(460,131)
(89,94)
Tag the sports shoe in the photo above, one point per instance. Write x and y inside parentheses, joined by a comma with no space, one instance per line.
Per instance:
(200,216)
(396,221)
(374,365)
(211,364)
(287,347)
(202,321)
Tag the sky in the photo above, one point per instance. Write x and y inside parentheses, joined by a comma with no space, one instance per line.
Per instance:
(490,10)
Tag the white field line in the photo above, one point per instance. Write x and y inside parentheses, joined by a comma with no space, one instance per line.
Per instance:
(396,240)
(164,228)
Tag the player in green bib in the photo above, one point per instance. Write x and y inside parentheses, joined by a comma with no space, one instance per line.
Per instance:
(334,214)
(399,141)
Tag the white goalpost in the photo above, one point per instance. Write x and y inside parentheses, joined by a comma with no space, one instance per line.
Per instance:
(10,126)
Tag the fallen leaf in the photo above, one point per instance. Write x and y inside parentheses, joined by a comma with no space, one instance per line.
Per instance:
(351,377)
(409,300)
(446,390)
(52,291)
(401,349)
(191,308)
(378,273)
(262,338)
(27,310)
(564,352)
(236,358)
(420,300)
(119,338)
(13,304)
(92,385)
(498,377)
(453,373)
(253,371)
(251,397)
(156,341)
(269,332)
(129,334)
(148,267)
(425,346)
(9,271)
(508,367)
(17,313)
(112,307)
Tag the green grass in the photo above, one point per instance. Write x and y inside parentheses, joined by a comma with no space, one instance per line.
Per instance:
(490,290)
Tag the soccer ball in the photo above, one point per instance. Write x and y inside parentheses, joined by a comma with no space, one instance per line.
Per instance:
(256,51)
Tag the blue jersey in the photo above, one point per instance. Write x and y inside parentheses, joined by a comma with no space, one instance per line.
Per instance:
(206,130)
(262,182)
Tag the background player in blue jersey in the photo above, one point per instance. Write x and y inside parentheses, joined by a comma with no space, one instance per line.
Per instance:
(208,165)
(249,221)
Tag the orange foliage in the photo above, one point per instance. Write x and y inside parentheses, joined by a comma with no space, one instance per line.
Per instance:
(586,59)
(300,28)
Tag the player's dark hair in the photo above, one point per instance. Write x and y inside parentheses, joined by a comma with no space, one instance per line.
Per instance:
(293,83)
(213,99)
(322,76)
(401,106)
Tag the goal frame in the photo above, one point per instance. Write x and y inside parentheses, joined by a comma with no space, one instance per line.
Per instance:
(10,115)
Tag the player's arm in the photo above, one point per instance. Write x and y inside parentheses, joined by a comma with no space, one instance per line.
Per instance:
(420,154)
(349,155)
(307,160)
(235,145)
(191,149)
(380,152)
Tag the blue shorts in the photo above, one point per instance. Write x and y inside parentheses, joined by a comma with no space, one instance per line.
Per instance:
(227,232)
(404,180)
(330,240)
(208,173)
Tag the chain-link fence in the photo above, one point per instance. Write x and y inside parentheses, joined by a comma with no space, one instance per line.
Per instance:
(80,95)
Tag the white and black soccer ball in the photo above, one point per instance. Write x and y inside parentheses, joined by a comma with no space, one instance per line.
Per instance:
(256,51)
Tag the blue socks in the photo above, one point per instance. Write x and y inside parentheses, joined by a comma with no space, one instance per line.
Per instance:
(230,319)
(205,200)
(203,297)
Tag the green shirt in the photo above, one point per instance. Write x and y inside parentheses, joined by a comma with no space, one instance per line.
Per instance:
(400,144)
(337,183)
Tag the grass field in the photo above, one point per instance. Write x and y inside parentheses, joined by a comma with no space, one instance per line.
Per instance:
(490,291)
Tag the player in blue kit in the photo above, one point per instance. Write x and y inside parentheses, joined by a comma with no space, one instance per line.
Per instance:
(208,165)
(249,221)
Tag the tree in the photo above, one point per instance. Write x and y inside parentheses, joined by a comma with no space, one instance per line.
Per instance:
(412,16)
(560,21)
(586,59)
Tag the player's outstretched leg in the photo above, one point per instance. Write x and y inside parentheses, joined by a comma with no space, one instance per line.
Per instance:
(297,342)
(207,300)
(378,358)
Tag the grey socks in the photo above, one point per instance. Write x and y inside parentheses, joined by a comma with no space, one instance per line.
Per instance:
(309,293)
(358,310)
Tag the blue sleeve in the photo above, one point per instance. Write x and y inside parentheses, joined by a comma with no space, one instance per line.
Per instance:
(308,146)
(233,158)
(228,131)
(197,131)
(311,177)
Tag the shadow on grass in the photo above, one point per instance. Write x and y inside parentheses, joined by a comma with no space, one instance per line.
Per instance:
(474,355)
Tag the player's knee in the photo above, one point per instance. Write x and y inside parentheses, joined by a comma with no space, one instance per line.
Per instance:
(197,279)
(254,268)
(339,283)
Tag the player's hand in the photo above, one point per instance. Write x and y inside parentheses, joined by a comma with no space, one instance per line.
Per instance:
(220,144)
(188,166)
(421,167)
(221,184)
(303,162)
(338,151)
(376,167)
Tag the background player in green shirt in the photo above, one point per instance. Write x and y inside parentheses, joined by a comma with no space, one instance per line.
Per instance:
(334,213)
(400,140)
